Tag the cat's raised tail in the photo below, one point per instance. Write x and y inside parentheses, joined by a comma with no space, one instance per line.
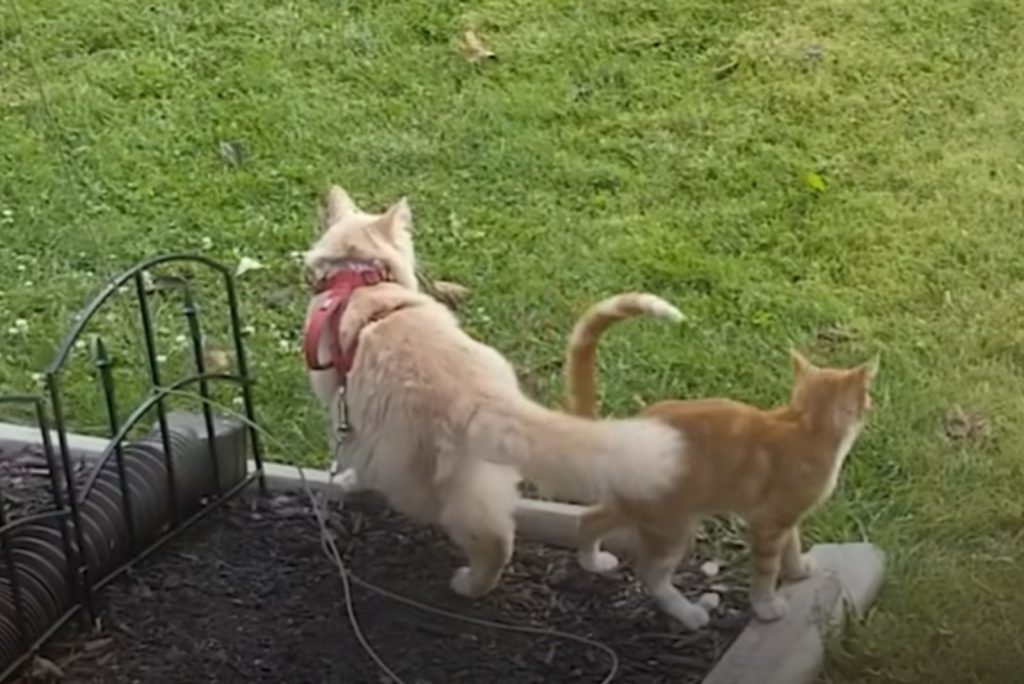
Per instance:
(581,397)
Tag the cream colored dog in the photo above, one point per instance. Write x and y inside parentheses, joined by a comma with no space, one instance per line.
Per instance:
(439,424)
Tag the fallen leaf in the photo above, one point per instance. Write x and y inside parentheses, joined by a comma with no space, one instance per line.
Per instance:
(281,298)
(960,425)
(452,290)
(814,51)
(450,294)
(475,50)
(217,360)
(246,264)
(724,70)
(230,153)
(164,283)
(814,181)
(834,334)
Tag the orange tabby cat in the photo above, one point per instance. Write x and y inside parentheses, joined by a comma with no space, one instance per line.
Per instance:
(770,467)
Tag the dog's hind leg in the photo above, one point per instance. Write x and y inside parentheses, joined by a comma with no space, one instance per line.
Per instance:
(488,552)
(479,519)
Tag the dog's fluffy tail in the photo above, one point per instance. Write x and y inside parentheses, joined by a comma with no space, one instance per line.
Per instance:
(580,459)
(581,390)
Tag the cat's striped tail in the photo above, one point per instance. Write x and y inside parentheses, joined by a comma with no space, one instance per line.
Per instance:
(581,397)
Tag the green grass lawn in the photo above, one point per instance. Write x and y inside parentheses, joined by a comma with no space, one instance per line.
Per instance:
(843,176)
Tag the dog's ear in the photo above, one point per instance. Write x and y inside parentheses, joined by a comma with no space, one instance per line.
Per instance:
(396,221)
(337,204)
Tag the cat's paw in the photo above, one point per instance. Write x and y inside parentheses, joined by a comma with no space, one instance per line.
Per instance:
(463,584)
(804,569)
(600,561)
(769,610)
(689,615)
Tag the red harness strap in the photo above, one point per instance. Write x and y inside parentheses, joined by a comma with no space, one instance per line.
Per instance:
(336,292)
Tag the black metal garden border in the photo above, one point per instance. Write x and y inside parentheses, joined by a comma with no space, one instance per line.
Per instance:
(68,500)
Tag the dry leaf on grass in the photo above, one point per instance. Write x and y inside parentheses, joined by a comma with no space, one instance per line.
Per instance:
(217,360)
(475,50)
(230,153)
(960,425)
(834,334)
(450,293)
(246,264)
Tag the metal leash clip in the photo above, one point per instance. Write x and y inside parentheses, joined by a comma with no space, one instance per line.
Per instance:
(342,430)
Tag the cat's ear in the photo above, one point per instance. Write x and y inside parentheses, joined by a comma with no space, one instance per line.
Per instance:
(337,204)
(800,364)
(869,370)
(396,221)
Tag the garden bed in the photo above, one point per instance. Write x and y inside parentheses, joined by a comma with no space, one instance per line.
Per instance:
(248,595)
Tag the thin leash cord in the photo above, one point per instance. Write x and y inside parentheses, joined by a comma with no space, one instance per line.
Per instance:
(349,578)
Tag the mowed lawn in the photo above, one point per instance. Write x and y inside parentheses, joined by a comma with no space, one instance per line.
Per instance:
(842,176)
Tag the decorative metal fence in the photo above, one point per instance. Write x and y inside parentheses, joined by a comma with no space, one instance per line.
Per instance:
(108,511)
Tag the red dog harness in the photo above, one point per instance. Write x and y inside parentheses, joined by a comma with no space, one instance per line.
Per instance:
(335,292)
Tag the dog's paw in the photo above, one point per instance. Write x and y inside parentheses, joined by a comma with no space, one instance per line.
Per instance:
(599,561)
(769,610)
(689,615)
(348,481)
(463,584)
(709,601)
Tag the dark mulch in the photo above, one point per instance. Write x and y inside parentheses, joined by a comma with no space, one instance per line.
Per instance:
(25,478)
(248,596)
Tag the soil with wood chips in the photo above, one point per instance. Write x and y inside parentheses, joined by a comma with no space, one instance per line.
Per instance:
(25,478)
(249,596)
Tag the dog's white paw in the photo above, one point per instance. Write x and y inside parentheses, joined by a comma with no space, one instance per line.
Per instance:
(769,610)
(462,583)
(599,561)
(709,601)
(690,615)
(348,481)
